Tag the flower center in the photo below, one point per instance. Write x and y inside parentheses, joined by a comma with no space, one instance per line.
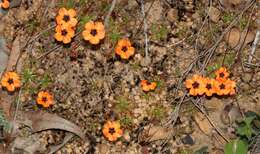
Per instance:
(221,74)
(66,18)
(64,32)
(208,86)
(10,81)
(222,86)
(111,131)
(44,99)
(124,48)
(195,85)
(93,32)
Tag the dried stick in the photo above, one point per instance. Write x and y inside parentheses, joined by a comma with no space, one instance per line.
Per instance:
(110,12)
(145,29)
(255,43)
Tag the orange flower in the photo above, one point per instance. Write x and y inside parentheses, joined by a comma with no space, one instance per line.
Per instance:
(112,130)
(222,74)
(45,99)
(195,85)
(124,49)
(209,86)
(11,81)
(146,86)
(64,33)
(67,17)
(5,4)
(225,87)
(94,32)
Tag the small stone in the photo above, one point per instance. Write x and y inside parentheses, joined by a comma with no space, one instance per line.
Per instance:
(172,15)
(40,71)
(188,140)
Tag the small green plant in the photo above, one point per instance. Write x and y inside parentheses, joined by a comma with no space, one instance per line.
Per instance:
(159,32)
(158,112)
(113,34)
(3,122)
(229,59)
(243,23)
(28,76)
(122,104)
(126,121)
(246,130)
(32,25)
(45,81)
(227,17)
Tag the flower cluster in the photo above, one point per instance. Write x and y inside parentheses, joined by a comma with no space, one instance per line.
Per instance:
(66,22)
(221,85)
(4,4)
(148,86)
(112,130)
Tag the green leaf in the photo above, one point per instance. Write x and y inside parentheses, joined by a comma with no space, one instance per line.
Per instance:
(245,128)
(236,147)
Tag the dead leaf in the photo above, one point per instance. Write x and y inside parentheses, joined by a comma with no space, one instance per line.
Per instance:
(214,14)
(14,54)
(203,123)
(233,37)
(30,145)
(40,121)
(154,133)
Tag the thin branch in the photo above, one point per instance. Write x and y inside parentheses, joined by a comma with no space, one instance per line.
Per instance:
(255,43)
(145,29)
(110,12)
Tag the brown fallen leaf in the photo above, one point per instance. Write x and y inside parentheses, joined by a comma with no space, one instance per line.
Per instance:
(30,145)
(14,54)
(203,123)
(237,39)
(40,121)
(233,37)
(154,133)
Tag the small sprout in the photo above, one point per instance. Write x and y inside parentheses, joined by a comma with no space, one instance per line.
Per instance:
(64,33)
(158,112)
(45,99)
(94,32)
(11,81)
(148,86)
(124,49)
(67,17)
(4,4)
(112,130)
(28,76)
(122,105)
(126,121)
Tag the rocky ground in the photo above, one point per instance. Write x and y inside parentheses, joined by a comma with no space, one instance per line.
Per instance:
(92,85)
